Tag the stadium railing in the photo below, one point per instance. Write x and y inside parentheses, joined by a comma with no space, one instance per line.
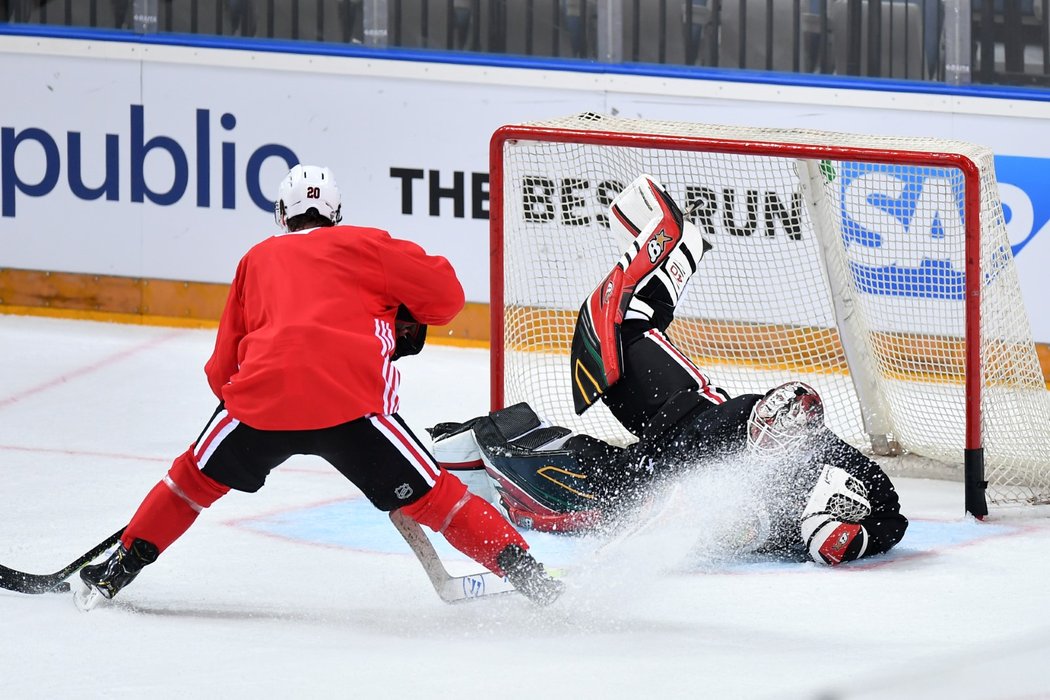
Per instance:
(1005,42)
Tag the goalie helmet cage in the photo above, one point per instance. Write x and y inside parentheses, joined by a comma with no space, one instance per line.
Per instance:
(878,269)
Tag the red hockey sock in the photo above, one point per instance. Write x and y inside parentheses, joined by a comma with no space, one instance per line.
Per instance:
(173,504)
(468,522)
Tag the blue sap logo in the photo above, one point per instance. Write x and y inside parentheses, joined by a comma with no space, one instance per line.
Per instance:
(37,141)
(911,242)
(1024,185)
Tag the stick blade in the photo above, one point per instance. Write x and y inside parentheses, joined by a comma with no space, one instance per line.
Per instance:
(451,589)
(460,589)
(21,582)
(34,584)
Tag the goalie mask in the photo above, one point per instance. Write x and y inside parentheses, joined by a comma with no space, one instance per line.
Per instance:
(308,187)
(784,417)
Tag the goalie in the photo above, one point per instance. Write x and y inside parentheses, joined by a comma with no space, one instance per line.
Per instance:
(823,499)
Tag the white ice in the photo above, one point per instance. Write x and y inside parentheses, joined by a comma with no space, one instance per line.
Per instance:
(303,591)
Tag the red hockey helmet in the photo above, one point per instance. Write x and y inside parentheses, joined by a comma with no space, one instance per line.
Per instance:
(784,417)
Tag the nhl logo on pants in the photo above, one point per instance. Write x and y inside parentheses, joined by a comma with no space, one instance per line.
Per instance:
(403,491)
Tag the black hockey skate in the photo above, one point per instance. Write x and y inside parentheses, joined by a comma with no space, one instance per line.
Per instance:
(528,575)
(105,580)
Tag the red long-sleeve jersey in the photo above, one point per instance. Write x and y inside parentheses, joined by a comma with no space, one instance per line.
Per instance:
(307,333)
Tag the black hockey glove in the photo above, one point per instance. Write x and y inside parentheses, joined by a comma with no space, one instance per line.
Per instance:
(409,334)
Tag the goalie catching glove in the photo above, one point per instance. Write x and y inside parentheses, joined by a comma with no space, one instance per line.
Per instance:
(831,519)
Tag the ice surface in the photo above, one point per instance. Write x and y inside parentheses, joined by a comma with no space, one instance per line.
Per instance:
(301,590)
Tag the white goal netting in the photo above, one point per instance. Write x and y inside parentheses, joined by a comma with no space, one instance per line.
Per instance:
(838,259)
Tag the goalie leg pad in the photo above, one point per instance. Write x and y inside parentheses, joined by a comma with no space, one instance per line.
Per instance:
(595,356)
(515,421)
(456,450)
(543,481)
(636,206)
(456,447)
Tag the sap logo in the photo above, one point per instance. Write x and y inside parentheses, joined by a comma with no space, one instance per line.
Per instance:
(903,229)
(1024,190)
(23,173)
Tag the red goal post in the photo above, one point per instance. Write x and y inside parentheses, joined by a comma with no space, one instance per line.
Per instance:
(876,268)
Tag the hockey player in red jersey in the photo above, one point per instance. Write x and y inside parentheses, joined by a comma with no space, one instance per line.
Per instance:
(823,500)
(303,364)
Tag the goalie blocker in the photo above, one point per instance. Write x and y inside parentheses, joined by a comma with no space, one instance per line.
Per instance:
(840,505)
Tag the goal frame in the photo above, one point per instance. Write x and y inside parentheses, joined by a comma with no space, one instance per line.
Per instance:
(973,451)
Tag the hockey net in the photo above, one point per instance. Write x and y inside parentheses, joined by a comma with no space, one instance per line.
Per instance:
(842,260)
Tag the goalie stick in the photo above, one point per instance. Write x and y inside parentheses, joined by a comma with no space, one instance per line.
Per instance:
(451,589)
(21,582)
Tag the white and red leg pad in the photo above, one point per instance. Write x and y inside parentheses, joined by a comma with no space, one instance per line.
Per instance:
(459,454)
(469,523)
(173,504)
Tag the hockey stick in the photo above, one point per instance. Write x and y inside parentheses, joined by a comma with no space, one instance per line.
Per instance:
(451,589)
(21,582)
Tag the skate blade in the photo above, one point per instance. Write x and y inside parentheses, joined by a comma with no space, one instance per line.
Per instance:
(86,597)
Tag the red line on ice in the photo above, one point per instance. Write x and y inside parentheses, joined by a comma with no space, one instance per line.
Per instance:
(88,369)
